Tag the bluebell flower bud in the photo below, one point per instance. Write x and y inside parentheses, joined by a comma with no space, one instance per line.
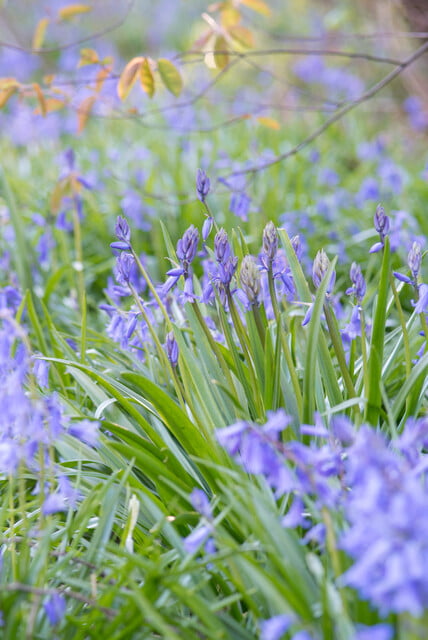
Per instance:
(250,279)
(357,279)
(320,267)
(381,221)
(187,246)
(270,241)
(203,184)
(222,247)
(414,259)
(206,227)
(171,348)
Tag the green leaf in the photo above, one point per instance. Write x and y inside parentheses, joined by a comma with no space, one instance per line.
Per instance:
(374,395)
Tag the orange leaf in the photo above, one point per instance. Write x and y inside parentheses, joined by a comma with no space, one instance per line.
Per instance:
(83,112)
(39,33)
(270,123)
(9,83)
(87,56)
(48,79)
(203,40)
(257,5)
(221,56)
(242,35)
(5,95)
(102,75)
(73,10)
(147,79)
(62,188)
(128,77)
(40,98)
(51,104)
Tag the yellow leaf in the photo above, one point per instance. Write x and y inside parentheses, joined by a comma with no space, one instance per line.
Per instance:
(5,95)
(73,10)
(221,55)
(9,83)
(40,98)
(83,111)
(170,76)
(147,79)
(48,79)
(257,5)
(270,123)
(128,77)
(229,17)
(87,56)
(51,104)
(39,33)
(242,35)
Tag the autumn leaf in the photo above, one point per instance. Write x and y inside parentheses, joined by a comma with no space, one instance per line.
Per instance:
(147,79)
(83,111)
(242,35)
(51,104)
(128,77)
(73,10)
(87,56)
(257,5)
(270,123)
(40,98)
(221,56)
(40,33)
(102,75)
(5,95)
(170,76)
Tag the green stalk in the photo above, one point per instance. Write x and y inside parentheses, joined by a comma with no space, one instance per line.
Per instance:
(285,347)
(152,289)
(81,291)
(338,349)
(222,362)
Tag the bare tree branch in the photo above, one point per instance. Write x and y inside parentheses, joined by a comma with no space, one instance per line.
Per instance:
(338,115)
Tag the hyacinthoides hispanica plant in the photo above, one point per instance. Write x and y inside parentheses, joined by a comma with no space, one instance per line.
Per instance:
(274,482)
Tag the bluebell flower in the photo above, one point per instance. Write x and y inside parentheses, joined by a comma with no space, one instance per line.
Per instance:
(381,631)
(249,276)
(200,502)
(123,235)
(240,205)
(171,348)
(421,306)
(369,190)
(382,225)
(55,607)
(203,185)
(274,628)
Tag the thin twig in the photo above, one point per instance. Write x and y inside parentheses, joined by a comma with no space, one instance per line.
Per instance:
(337,116)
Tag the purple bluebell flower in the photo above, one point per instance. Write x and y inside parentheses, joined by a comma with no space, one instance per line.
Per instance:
(207,227)
(123,268)
(275,627)
(240,205)
(123,235)
(358,288)
(200,502)
(414,259)
(382,225)
(85,431)
(369,190)
(381,631)
(187,246)
(421,306)
(55,607)
(222,248)
(203,185)
(171,348)
(41,372)
(199,536)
